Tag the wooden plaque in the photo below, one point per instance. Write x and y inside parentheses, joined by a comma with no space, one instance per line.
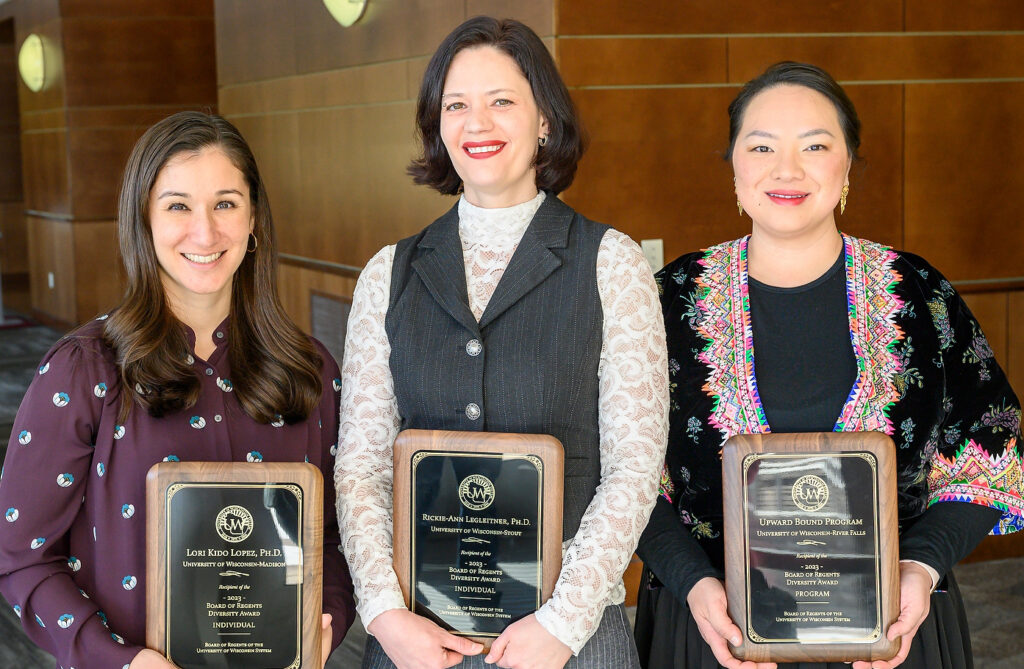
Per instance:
(811,545)
(234,559)
(477,526)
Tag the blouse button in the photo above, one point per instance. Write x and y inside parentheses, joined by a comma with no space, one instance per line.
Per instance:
(474,347)
(220,335)
(472,411)
(217,418)
(209,371)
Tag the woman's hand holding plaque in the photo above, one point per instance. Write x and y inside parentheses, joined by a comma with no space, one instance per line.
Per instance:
(413,642)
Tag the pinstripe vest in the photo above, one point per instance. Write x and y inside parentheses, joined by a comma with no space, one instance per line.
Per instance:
(529,365)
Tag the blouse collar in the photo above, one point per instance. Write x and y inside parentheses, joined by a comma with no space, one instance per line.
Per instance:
(502,227)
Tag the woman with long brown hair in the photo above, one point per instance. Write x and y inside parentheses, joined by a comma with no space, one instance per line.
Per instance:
(199,362)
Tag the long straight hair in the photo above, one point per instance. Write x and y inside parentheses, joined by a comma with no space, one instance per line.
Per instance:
(275,369)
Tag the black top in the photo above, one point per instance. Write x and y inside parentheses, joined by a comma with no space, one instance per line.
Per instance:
(803,358)
(805,366)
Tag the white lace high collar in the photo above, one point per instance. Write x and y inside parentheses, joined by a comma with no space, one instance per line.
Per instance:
(496,228)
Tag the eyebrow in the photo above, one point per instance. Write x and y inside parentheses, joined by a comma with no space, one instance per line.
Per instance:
(494,92)
(226,191)
(803,135)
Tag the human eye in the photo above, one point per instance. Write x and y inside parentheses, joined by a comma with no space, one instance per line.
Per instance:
(177,206)
(817,147)
(502,102)
(760,148)
(454,106)
(225,204)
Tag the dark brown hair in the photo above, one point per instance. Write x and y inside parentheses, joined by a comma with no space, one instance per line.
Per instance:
(556,160)
(797,74)
(275,369)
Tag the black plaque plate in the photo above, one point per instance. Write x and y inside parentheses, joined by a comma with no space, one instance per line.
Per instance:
(476,541)
(811,523)
(234,564)
(810,545)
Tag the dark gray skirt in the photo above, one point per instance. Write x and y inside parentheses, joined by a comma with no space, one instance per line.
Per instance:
(667,636)
(611,647)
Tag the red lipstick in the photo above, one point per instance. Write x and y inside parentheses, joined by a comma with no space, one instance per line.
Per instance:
(482,150)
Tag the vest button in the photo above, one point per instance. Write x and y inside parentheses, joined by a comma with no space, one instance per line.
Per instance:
(474,347)
(472,411)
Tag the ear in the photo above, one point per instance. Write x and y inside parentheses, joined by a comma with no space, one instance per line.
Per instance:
(545,128)
(252,223)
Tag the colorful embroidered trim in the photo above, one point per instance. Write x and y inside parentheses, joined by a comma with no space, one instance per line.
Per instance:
(665,487)
(724,322)
(873,306)
(724,307)
(975,476)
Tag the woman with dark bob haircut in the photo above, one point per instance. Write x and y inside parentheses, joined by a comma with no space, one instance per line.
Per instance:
(199,362)
(510,313)
(798,327)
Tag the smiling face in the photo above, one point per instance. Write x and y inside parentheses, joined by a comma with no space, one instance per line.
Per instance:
(790,161)
(200,214)
(490,125)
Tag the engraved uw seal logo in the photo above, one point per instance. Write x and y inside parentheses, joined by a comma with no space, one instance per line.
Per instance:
(810,493)
(234,523)
(476,492)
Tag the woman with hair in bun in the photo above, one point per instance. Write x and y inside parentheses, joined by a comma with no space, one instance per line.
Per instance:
(798,327)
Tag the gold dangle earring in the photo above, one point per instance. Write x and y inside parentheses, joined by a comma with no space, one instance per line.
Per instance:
(739,205)
(842,199)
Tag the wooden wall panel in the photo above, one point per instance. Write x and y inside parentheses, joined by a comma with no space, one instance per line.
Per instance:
(978,15)
(14,244)
(255,40)
(51,250)
(1015,364)
(622,61)
(357,196)
(884,57)
(10,144)
(117,9)
(964,169)
(581,17)
(139,61)
(96,157)
(296,284)
(97,265)
(45,171)
(654,167)
(538,14)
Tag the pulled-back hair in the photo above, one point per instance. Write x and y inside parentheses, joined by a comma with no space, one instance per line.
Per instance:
(275,369)
(556,160)
(797,74)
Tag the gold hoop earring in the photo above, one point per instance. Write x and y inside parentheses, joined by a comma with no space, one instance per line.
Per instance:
(842,199)
(541,141)
(255,243)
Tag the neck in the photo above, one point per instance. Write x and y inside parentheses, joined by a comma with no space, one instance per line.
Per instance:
(203,314)
(502,200)
(795,261)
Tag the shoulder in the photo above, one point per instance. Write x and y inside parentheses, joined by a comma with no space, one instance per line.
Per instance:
(83,345)
(680,276)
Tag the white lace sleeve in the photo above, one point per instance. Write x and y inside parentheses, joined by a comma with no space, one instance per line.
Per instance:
(368,427)
(633,417)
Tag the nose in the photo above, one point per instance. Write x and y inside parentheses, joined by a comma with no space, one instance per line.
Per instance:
(203,228)
(787,166)
(479,119)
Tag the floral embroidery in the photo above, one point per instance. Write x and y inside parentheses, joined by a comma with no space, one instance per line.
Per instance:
(979,353)
(999,418)
(977,477)
(723,320)
(940,316)
(907,427)
(693,428)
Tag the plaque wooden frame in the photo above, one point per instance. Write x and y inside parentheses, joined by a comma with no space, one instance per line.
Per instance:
(545,447)
(737,575)
(165,474)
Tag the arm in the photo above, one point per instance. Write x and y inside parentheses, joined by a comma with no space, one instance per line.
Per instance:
(337,595)
(368,426)
(671,552)
(633,406)
(48,441)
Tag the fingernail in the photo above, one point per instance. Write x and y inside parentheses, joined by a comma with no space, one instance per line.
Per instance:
(735,641)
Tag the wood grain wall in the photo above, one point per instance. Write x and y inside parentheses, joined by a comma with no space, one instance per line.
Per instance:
(115,67)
